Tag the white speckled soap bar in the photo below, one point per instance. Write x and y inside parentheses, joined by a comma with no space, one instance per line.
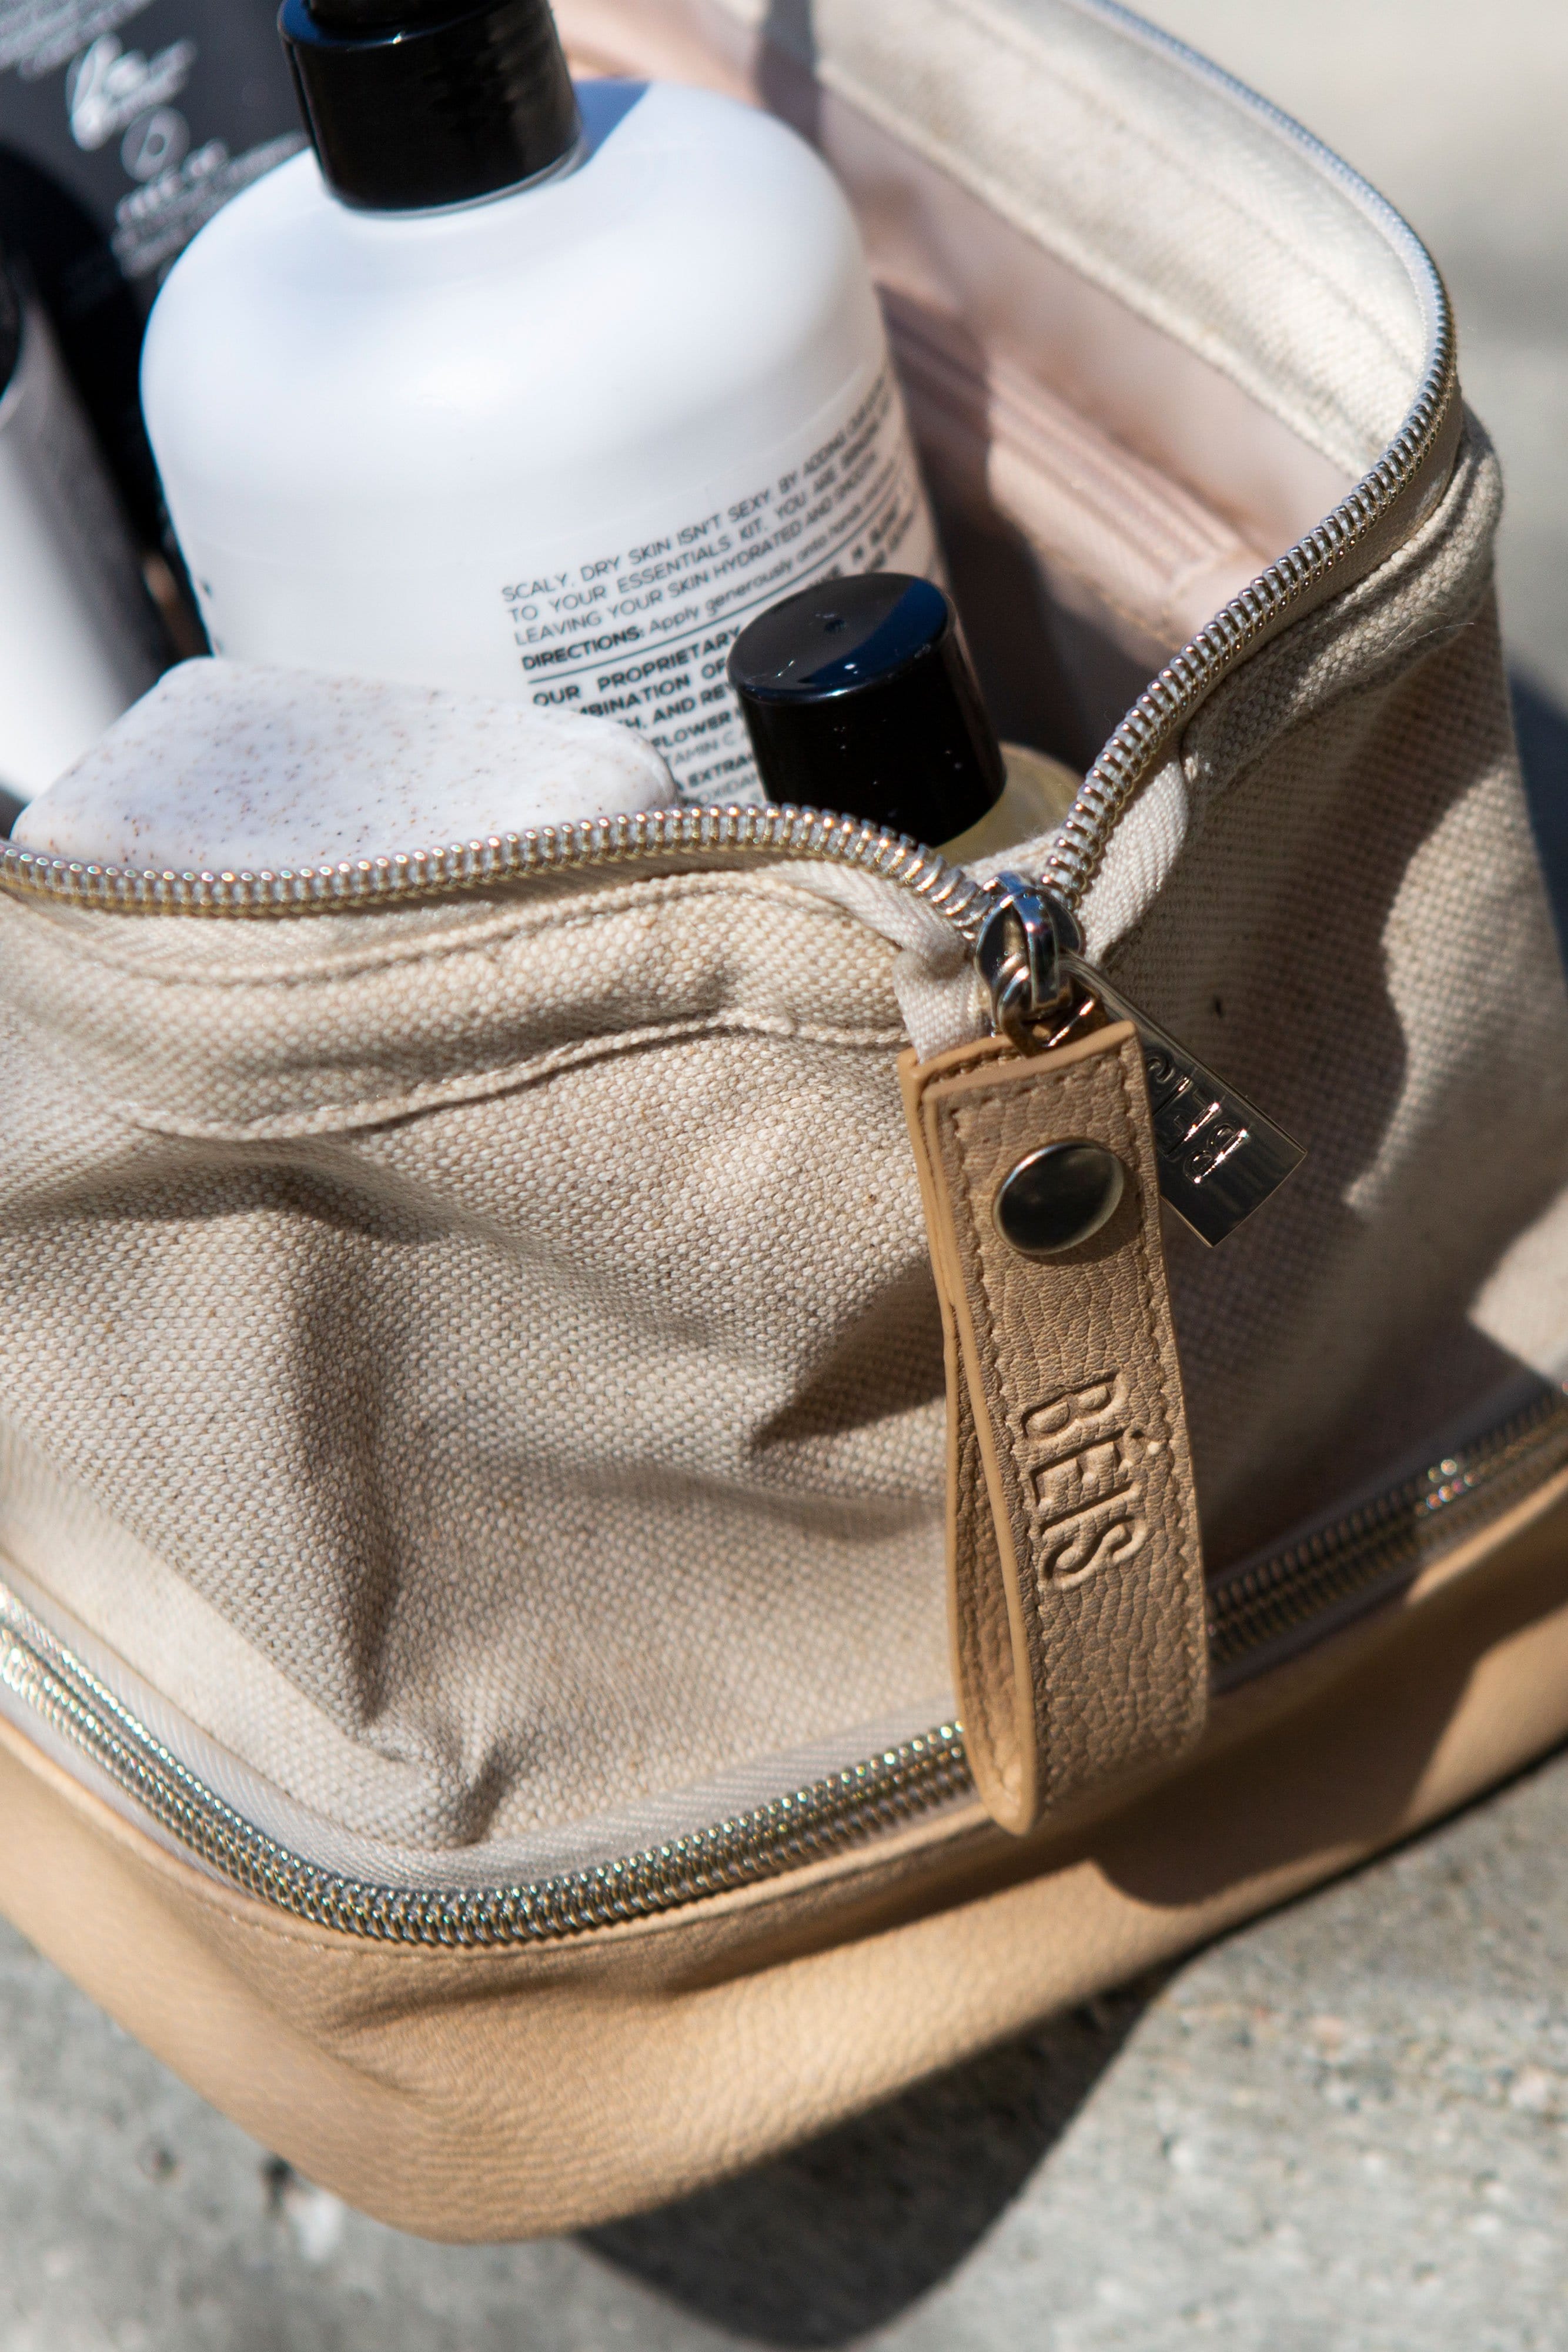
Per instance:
(227,766)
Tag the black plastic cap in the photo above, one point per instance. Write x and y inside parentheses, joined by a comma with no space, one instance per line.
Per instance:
(859,697)
(413,106)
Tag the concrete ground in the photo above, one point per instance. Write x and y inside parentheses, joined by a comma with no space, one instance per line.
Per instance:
(1342,2130)
(1346,2126)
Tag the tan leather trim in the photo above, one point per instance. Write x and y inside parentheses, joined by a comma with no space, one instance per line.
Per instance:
(1075,1558)
(472,2095)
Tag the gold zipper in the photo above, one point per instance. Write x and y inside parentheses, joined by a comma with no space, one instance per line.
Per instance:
(1253,1611)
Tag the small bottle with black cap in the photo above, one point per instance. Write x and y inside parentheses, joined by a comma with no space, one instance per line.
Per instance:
(860,698)
(521,387)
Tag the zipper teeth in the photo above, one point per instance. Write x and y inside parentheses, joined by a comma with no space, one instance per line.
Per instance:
(1249,1611)
(1081,842)
(774,831)
(844,1808)
(1190,676)
(1257,1606)
(786,830)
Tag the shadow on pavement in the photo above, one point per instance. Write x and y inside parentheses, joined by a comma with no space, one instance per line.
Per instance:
(840,2237)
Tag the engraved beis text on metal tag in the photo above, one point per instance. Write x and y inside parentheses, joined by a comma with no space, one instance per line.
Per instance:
(1218,1157)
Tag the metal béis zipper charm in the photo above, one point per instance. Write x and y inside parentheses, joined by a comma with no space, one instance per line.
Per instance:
(1218,1156)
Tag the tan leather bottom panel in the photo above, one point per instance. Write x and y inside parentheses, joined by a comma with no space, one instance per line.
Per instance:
(483,2094)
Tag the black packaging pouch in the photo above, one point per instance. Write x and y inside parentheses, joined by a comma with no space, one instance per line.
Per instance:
(124,125)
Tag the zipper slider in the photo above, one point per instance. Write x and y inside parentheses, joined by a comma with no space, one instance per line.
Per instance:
(1218,1157)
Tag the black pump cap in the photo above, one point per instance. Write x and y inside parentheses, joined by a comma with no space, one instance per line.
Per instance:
(416,103)
(859,697)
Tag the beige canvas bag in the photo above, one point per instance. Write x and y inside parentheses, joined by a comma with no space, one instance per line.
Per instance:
(545,1656)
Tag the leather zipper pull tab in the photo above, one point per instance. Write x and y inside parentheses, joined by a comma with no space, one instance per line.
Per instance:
(1076,1592)
(1218,1156)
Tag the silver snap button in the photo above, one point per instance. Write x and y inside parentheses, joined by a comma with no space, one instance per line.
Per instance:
(1058,1197)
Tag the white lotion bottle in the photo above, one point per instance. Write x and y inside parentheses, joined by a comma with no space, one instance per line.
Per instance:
(526,392)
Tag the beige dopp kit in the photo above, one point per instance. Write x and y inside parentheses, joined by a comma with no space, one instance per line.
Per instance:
(663,1472)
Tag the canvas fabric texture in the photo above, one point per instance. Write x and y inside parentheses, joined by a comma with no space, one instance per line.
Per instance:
(1332,895)
(509,1324)
(480,2094)
(480,1329)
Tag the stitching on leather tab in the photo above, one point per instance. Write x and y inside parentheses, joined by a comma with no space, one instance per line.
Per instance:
(1151,1332)
(970,1115)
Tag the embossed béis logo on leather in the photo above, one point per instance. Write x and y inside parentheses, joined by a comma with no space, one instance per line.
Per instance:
(1080,1455)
